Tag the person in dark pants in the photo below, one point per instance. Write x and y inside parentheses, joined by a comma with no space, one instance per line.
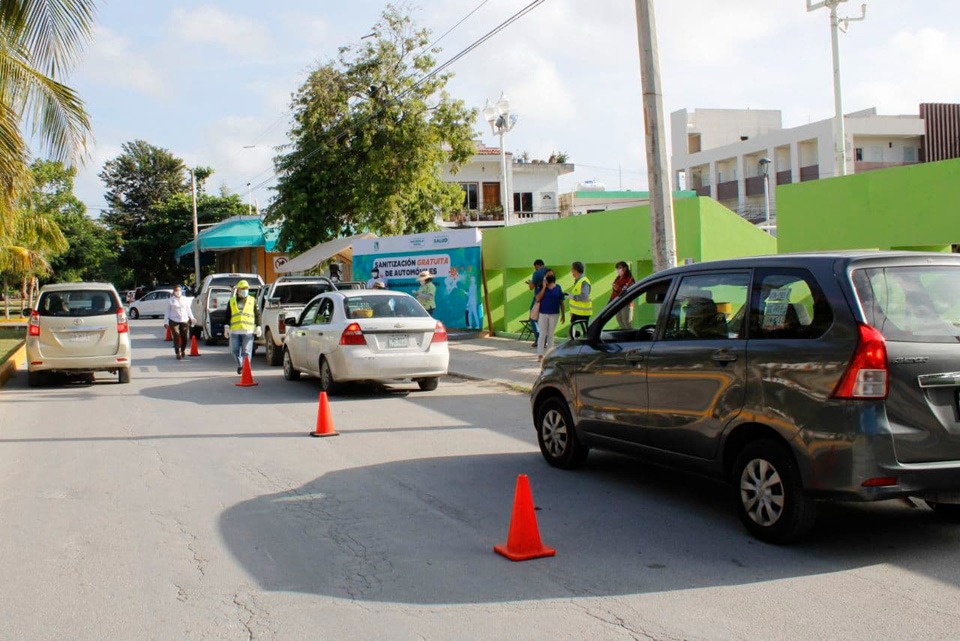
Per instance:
(536,284)
(178,318)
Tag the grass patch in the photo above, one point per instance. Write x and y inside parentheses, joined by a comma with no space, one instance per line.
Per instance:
(10,341)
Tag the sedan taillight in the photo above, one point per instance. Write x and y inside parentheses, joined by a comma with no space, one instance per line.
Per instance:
(352,335)
(34,328)
(440,333)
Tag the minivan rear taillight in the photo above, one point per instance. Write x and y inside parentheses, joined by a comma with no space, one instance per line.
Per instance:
(440,333)
(34,328)
(122,326)
(352,335)
(866,375)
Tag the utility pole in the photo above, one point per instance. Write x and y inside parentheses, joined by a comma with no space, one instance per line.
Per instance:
(662,234)
(196,234)
(836,25)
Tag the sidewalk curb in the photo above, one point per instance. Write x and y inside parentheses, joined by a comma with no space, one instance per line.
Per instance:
(9,367)
(513,385)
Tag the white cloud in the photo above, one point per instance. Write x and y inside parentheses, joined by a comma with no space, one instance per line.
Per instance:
(208,24)
(111,60)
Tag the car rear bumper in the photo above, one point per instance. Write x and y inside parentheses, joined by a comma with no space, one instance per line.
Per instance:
(360,364)
(37,363)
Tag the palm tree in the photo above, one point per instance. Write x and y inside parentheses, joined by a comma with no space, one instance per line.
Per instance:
(40,41)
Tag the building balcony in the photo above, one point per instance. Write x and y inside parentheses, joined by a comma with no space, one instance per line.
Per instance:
(521,217)
(703,190)
(784,177)
(810,172)
(754,185)
(861,166)
(727,190)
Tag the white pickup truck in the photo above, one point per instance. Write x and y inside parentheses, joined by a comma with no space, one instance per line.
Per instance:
(287,296)
(211,297)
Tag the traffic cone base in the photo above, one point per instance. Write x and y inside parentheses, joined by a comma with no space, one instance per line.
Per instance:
(169,336)
(193,347)
(324,419)
(523,541)
(246,378)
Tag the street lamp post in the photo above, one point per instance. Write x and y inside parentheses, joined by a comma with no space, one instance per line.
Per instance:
(196,233)
(765,172)
(501,121)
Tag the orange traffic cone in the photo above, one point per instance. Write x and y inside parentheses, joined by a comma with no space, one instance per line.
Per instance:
(169,336)
(246,379)
(193,347)
(523,541)
(324,419)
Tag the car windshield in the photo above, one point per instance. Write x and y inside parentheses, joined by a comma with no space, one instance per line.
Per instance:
(387,306)
(911,304)
(77,302)
(300,293)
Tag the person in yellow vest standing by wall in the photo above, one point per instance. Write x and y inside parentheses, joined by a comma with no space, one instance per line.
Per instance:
(242,324)
(581,307)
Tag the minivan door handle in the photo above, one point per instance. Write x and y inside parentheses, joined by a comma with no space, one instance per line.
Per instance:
(634,356)
(724,356)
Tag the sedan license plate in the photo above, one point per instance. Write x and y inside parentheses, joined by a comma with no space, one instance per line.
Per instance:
(400,340)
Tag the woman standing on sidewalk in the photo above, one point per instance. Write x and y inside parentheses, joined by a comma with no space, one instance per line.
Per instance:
(551,312)
(623,281)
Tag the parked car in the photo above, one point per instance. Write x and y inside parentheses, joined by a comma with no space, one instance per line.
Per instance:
(365,335)
(284,297)
(202,302)
(77,328)
(794,377)
(153,304)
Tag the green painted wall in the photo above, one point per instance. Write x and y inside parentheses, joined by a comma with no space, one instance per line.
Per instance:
(916,207)
(705,231)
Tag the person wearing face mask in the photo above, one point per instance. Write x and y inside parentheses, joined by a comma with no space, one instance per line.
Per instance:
(178,318)
(623,282)
(375,280)
(242,324)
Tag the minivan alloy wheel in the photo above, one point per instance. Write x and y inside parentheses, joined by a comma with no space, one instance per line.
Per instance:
(554,430)
(761,491)
(557,435)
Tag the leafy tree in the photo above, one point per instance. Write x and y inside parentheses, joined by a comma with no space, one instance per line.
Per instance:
(139,180)
(371,133)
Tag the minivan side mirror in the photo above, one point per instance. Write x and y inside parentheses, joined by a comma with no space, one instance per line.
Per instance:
(290,321)
(578,330)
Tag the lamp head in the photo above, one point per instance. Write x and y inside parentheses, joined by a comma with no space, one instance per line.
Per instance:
(490,113)
(503,105)
(764,166)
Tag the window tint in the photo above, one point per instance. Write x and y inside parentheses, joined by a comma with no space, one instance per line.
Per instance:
(310,313)
(638,309)
(325,315)
(76,303)
(300,293)
(911,304)
(387,306)
(709,307)
(789,304)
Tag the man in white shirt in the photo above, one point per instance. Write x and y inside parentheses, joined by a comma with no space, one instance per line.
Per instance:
(375,280)
(178,317)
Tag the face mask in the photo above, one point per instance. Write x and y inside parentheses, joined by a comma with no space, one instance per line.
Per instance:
(243,293)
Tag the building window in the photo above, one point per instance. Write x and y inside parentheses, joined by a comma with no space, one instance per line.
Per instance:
(908,154)
(523,201)
(858,154)
(470,198)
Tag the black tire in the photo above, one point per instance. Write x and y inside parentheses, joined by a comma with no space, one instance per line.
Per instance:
(289,372)
(947,512)
(134,313)
(123,375)
(769,493)
(328,383)
(428,384)
(36,379)
(272,353)
(557,436)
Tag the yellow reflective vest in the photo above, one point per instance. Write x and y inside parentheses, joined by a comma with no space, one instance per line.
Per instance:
(580,308)
(242,320)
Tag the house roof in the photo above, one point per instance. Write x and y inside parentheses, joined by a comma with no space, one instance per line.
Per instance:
(234,233)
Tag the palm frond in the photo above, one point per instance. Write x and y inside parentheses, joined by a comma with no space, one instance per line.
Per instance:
(54,31)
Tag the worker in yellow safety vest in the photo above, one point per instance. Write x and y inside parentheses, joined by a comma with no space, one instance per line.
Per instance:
(242,324)
(581,308)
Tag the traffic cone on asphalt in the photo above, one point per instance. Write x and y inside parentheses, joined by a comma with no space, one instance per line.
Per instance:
(246,379)
(324,419)
(193,347)
(169,336)
(523,540)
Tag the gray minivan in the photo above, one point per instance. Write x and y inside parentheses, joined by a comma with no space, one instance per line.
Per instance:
(794,377)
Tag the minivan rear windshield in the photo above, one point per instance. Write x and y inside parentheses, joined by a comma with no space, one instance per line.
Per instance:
(77,302)
(917,304)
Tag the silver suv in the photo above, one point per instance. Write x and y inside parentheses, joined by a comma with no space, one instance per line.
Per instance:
(794,377)
(77,328)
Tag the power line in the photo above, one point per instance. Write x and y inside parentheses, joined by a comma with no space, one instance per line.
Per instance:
(437,70)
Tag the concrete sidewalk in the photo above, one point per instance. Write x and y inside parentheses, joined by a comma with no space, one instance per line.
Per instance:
(501,360)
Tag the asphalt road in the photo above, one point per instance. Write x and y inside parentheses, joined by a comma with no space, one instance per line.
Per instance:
(183,507)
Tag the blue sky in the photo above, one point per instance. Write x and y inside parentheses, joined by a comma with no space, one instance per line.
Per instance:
(208,79)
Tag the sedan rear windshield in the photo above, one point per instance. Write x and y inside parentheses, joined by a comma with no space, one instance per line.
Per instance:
(78,302)
(911,304)
(398,305)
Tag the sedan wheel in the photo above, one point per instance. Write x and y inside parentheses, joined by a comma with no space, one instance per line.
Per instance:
(134,313)
(557,437)
(327,382)
(289,372)
(770,498)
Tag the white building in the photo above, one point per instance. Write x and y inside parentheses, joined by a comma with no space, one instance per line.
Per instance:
(533,185)
(717,152)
